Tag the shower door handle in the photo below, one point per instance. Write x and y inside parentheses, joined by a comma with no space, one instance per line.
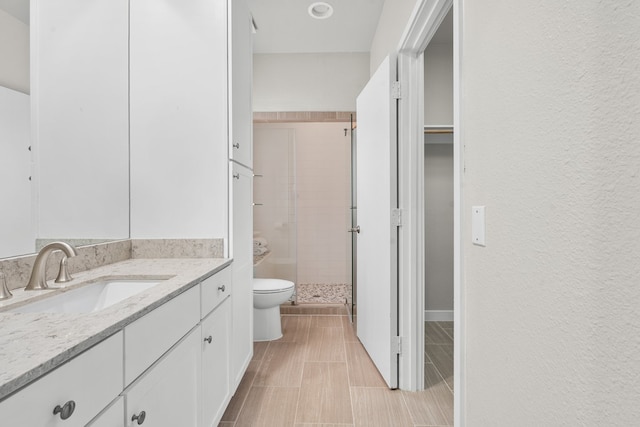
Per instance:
(356,229)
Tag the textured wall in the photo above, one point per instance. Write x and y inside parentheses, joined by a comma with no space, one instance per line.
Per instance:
(550,108)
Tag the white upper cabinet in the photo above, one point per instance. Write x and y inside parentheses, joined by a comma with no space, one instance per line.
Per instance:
(240,82)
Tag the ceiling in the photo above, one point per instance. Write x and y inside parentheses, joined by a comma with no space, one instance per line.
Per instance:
(285,26)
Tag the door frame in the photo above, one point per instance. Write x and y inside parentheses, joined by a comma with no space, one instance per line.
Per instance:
(423,23)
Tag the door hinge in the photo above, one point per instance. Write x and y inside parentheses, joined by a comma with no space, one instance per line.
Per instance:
(395,90)
(396,343)
(396,217)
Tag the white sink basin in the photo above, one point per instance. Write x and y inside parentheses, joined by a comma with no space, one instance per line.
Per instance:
(89,298)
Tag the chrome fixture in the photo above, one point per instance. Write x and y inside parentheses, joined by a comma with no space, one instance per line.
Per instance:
(63,274)
(38,279)
(5,293)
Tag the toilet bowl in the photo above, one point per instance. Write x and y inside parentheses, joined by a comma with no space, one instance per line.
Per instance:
(268,294)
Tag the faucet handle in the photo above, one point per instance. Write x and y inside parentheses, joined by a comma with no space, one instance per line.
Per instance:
(63,273)
(5,293)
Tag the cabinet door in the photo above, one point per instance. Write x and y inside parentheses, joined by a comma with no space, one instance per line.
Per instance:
(242,273)
(215,364)
(168,394)
(241,76)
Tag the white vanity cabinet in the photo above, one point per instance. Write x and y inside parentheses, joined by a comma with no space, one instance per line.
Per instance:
(76,391)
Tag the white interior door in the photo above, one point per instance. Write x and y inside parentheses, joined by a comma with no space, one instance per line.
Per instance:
(377,297)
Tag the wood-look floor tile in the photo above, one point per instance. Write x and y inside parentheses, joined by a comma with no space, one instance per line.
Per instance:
(269,406)
(449,332)
(442,358)
(238,399)
(259,349)
(441,392)
(295,328)
(324,394)
(425,409)
(326,345)
(434,334)
(282,365)
(226,424)
(349,330)
(326,321)
(379,407)
(362,371)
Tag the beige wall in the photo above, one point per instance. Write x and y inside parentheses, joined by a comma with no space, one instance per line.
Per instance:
(550,106)
(308,82)
(14,53)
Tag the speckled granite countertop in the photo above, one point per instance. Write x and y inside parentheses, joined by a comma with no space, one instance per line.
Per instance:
(32,344)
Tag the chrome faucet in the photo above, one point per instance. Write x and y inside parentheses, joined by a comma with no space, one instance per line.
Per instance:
(38,279)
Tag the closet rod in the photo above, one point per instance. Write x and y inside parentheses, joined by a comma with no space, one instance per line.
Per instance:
(438,131)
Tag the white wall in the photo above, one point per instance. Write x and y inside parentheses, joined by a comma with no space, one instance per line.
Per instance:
(393,20)
(14,51)
(550,105)
(308,82)
(16,229)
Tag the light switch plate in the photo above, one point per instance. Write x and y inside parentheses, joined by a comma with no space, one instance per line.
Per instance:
(477,225)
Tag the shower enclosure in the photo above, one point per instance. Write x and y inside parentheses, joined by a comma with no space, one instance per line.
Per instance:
(353,240)
(274,213)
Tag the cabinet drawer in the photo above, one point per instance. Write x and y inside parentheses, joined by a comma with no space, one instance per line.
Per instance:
(90,380)
(214,290)
(149,337)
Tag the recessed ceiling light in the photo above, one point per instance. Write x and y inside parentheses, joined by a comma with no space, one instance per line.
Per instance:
(320,10)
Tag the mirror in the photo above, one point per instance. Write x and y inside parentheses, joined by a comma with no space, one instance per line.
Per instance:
(64,149)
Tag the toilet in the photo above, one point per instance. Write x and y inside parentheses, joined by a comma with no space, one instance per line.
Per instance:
(268,294)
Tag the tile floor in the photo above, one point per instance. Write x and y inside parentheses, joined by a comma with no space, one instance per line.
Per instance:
(318,374)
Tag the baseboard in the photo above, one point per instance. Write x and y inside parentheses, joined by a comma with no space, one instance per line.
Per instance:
(438,315)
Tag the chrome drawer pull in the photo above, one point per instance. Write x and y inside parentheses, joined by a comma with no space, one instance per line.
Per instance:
(209,339)
(221,288)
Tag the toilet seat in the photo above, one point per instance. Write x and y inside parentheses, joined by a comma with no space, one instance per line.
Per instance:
(271,286)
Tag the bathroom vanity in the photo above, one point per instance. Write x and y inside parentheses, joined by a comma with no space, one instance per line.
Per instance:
(153,357)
